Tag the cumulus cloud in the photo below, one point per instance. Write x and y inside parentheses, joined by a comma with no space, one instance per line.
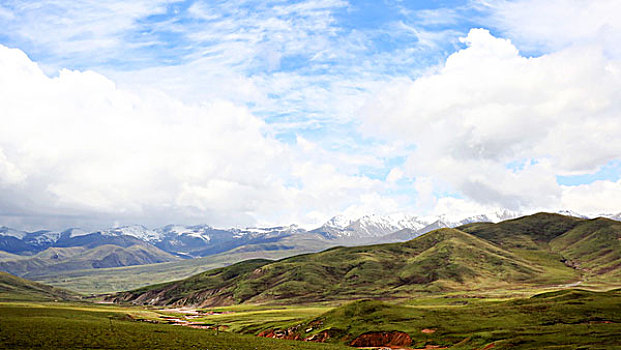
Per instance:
(603,195)
(76,145)
(499,127)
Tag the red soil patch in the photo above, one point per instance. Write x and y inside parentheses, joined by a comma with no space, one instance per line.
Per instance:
(320,337)
(270,333)
(489,346)
(389,339)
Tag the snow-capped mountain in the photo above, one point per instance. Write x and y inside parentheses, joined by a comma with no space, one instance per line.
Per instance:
(368,226)
(203,240)
(444,221)
(375,226)
(9,232)
(495,216)
(197,231)
(137,231)
(42,238)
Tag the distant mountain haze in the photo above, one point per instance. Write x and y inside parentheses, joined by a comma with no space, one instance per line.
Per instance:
(45,253)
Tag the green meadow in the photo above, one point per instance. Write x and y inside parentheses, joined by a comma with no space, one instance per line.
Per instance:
(566,319)
(89,326)
(538,282)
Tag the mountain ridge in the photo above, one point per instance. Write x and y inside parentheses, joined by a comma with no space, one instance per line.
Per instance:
(36,254)
(517,252)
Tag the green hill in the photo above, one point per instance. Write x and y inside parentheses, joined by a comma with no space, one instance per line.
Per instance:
(541,250)
(54,260)
(528,232)
(440,260)
(591,246)
(569,319)
(13,288)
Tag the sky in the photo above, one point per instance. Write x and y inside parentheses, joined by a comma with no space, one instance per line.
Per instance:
(241,113)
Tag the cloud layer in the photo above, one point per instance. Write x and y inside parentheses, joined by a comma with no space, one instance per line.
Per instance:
(76,145)
(498,127)
(241,113)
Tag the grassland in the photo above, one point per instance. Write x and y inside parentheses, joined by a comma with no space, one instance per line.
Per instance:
(512,319)
(506,286)
(567,319)
(13,288)
(82,326)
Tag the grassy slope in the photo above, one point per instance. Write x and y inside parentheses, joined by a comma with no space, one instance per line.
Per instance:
(592,246)
(106,280)
(528,232)
(558,320)
(79,326)
(441,260)
(15,288)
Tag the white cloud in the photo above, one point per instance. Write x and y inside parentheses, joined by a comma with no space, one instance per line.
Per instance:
(76,29)
(599,197)
(394,175)
(498,127)
(557,24)
(78,145)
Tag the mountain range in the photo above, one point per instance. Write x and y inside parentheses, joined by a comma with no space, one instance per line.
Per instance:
(47,253)
(532,251)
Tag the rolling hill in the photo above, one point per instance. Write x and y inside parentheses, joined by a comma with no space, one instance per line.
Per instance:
(568,319)
(590,245)
(107,280)
(536,250)
(58,259)
(13,288)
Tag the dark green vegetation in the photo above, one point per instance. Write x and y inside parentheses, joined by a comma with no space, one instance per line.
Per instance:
(77,326)
(569,319)
(541,250)
(15,288)
(592,246)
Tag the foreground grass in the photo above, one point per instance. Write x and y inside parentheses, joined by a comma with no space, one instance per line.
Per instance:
(76,326)
(252,320)
(570,319)
(556,320)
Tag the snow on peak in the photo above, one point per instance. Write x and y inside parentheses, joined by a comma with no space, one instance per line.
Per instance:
(268,230)
(339,221)
(137,231)
(372,225)
(197,231)
(5,231)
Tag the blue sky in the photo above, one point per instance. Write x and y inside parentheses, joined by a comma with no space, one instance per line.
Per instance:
(343,106)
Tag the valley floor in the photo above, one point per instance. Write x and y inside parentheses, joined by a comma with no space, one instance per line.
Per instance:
(567,319)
